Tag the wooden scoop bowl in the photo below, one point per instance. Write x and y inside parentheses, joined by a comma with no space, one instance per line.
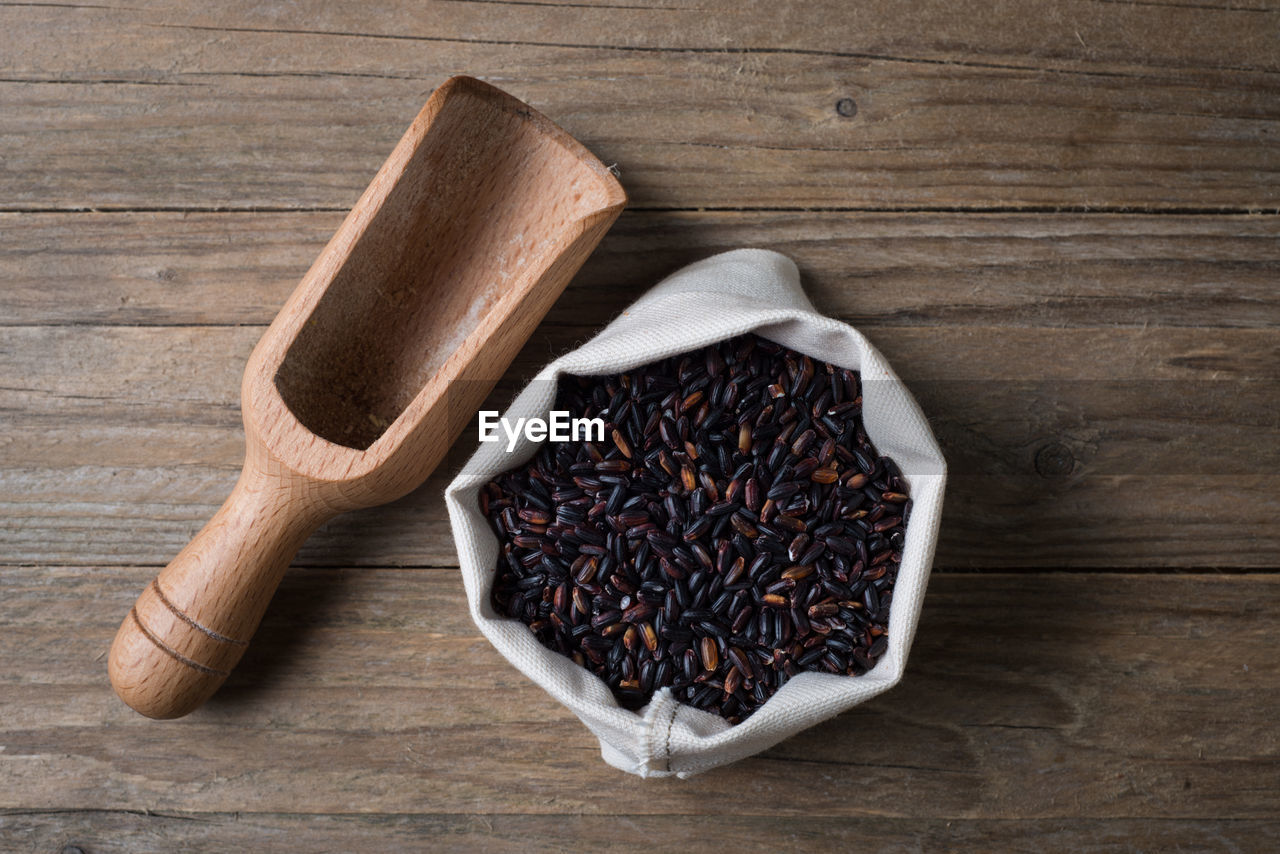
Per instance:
(468,233)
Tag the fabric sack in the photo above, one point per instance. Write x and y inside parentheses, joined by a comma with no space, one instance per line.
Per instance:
(746,290)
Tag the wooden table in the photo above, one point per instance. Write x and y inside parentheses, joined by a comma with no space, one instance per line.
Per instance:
(1057,218)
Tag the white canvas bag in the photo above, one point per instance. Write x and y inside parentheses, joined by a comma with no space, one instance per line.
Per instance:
(746,290)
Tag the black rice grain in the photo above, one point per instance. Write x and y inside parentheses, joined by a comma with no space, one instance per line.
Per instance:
(735,528)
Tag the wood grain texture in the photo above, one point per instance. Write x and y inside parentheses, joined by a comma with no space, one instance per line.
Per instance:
(1046,697)
(873,270)
(1129,355)
(116,454)
(164,832)
(965,105)
(468,233)
(1057,219)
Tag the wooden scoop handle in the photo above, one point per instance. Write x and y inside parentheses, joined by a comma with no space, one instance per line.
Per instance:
(191,625)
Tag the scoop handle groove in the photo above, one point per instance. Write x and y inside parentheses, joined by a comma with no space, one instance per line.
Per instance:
(192,624)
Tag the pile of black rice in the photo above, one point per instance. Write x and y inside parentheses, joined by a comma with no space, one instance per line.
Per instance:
(734,528)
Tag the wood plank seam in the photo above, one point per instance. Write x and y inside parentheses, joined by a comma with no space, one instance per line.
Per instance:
(977,208)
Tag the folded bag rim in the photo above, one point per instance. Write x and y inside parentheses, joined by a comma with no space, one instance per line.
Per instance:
(729,294)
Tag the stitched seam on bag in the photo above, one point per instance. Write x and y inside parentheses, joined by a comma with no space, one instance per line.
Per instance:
(666,743)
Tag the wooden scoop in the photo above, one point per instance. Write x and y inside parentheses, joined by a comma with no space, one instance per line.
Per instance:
(468,233)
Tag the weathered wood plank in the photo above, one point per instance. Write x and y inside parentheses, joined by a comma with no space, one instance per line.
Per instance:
(871,269)
(120,442)
(1067,37)
(986,105)
(1105,386)
(94,516)
(1075,36)
(164,833)
(1042,697)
